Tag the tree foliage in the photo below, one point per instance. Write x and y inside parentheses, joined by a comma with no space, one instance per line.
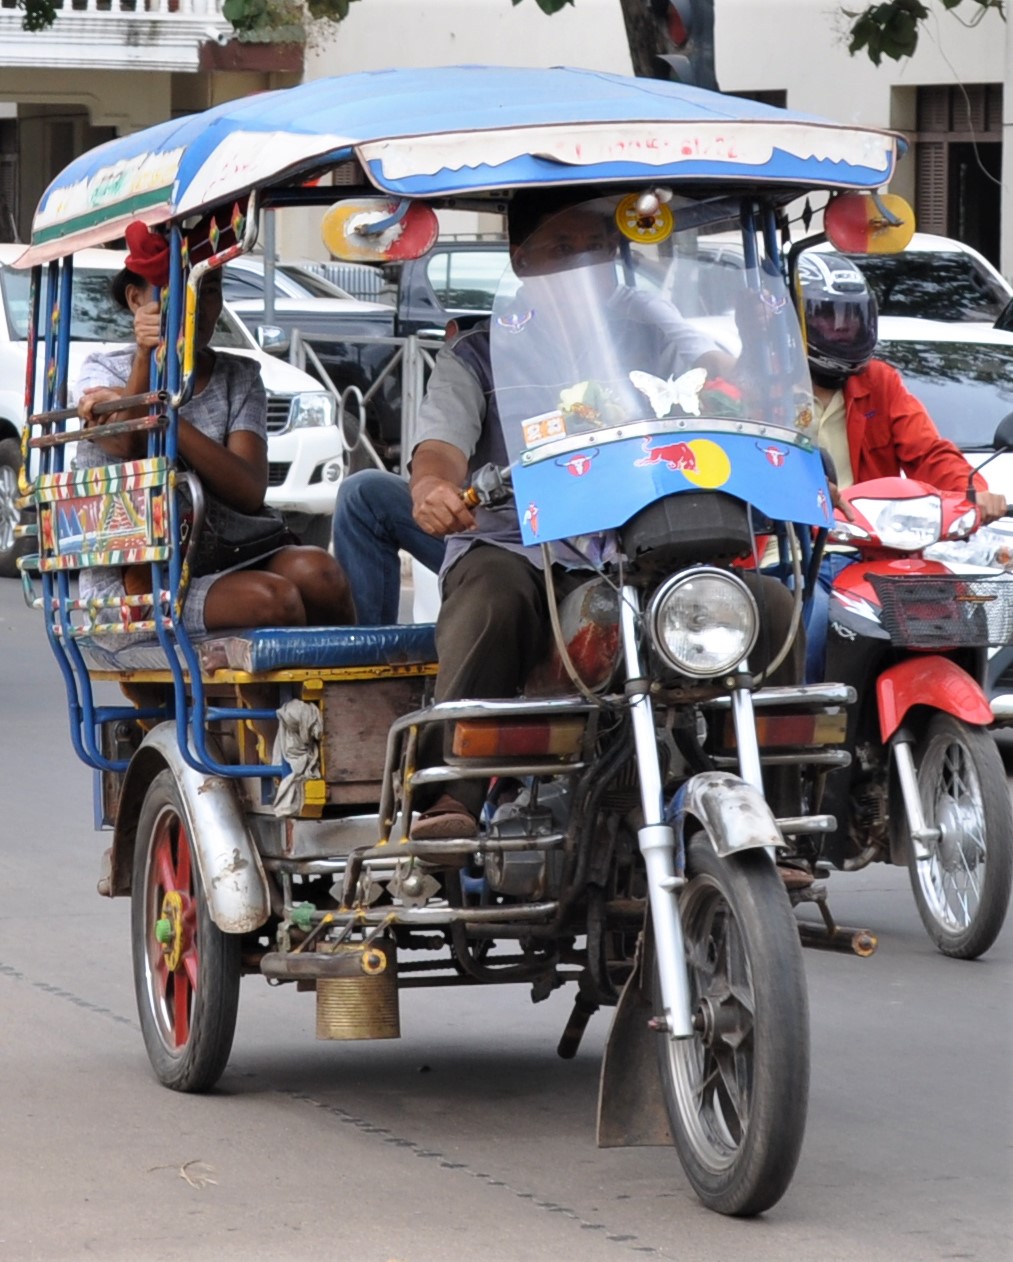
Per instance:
(891,28)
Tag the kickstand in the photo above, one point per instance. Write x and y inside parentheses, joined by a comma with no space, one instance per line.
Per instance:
(831,936)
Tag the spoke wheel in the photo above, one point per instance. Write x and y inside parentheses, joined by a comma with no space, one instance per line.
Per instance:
(10,514)
(737,1091)
(186,971)
(963,887)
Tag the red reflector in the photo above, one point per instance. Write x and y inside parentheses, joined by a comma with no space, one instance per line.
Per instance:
(517,738)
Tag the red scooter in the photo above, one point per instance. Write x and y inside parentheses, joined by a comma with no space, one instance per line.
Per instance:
(925,785)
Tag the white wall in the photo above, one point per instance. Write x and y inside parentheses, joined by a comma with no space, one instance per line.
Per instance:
(801,46)
(381,33)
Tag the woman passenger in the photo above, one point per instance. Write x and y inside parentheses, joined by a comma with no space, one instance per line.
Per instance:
(222,437)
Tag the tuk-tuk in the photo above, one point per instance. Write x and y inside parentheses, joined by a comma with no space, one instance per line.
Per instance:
(260,783)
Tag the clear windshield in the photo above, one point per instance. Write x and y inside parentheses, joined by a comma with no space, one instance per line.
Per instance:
(606,330)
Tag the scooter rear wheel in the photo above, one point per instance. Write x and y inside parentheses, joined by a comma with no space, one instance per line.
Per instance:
(186,971)
(963,888)
(737,1092)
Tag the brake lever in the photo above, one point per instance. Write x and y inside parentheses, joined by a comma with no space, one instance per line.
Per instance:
(490,487)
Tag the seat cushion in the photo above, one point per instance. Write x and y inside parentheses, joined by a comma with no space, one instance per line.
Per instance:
(319,648)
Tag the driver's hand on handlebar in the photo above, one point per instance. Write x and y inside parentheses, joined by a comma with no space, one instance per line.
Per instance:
(991,506)
(438,507)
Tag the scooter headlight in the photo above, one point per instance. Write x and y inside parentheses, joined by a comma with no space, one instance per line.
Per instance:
(906,525)
(703,622)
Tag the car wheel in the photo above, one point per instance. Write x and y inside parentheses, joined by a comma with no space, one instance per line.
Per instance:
(10,516)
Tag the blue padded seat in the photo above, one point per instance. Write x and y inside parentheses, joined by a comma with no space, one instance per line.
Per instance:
(319,648)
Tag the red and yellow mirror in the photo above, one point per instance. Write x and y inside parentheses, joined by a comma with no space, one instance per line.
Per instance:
(869,223)
(379,230)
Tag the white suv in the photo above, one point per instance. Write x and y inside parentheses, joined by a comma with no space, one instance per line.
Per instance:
(304,443)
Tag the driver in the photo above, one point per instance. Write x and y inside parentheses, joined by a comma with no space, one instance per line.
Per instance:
(493,624)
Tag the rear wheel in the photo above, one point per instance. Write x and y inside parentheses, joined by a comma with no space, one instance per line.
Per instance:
(10,514)
(737,1091)
(962,888)
(186,971)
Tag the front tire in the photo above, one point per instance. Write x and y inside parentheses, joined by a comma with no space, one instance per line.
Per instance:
(737,1091)
(962,889)
(186,971)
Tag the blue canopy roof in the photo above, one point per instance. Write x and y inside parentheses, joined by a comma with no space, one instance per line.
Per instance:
(451,130)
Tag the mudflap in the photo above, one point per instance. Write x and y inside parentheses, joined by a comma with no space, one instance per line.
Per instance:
(631,1107)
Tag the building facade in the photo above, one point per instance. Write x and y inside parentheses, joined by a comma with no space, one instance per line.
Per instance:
(112,66)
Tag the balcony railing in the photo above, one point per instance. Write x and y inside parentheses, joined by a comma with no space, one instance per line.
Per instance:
(122,8)
(140,35)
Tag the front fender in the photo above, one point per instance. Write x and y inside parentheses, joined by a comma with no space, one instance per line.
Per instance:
(734,815)
(233,877)
(933,681)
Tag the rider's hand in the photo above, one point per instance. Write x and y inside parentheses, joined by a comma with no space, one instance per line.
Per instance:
(839,502)
(438,508)
(991,506)
(148,326)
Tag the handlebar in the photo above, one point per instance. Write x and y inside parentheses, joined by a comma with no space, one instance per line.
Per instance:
(490,487)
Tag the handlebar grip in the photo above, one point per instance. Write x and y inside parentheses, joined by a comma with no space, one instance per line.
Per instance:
(470,497)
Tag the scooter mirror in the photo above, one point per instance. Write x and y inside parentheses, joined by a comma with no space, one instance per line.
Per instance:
(1003,440)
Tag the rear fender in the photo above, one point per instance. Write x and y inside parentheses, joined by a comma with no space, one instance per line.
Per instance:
(930,681)
(233,877)
(734,815)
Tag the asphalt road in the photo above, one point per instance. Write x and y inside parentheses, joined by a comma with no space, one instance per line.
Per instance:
(468,1138)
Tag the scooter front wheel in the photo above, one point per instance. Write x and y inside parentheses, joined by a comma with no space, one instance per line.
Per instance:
(186,971)
(962,887)
(737,1092)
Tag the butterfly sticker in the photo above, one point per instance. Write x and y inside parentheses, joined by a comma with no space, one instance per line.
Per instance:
(681,392)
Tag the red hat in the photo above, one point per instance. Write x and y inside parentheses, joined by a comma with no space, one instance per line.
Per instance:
(149,254)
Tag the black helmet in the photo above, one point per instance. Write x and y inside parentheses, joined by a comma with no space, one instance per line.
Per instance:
(840,317)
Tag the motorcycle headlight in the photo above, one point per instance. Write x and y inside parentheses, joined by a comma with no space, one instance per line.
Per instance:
(311,409)
(703,622)
(907,525)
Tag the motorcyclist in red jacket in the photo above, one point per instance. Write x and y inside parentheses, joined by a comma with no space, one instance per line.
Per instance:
(866,419)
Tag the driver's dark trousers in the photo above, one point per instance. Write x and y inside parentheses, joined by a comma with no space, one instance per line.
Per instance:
(493,629)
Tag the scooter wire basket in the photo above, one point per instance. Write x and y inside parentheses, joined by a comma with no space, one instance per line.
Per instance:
(946,611)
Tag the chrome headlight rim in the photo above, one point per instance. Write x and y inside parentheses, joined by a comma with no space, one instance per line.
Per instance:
(657,605)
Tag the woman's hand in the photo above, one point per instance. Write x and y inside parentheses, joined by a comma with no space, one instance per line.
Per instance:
(86,405)
(148,327)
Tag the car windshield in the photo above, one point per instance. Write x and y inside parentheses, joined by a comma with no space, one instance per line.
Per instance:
(966,387)
(96,316)
(933,285)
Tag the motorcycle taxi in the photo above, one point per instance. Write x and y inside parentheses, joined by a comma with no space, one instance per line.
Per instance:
(259,785)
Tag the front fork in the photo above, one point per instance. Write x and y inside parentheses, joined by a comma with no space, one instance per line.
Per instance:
(656,838)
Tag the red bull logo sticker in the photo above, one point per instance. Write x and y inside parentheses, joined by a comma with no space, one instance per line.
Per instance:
(699,460)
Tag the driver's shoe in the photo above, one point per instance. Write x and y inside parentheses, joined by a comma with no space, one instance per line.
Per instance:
(447,819)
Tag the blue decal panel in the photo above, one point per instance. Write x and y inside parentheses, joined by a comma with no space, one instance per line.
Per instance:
(602,486)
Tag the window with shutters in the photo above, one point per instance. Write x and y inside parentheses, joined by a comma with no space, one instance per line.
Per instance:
(958,158)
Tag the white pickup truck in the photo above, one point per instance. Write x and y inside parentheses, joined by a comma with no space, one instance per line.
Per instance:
(304,443)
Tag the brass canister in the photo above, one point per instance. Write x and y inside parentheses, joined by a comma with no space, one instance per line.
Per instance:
(361,1002)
